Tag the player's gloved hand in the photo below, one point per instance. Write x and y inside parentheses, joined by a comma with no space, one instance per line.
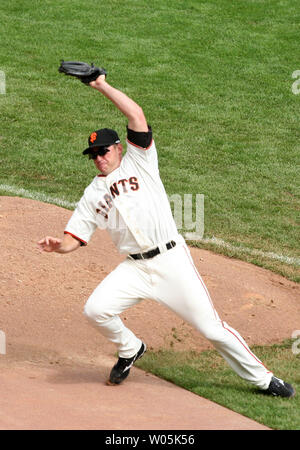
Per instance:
(83,71)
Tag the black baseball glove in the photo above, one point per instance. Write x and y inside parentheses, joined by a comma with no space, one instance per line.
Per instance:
(83,71)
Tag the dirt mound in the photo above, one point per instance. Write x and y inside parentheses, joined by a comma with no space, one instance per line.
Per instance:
(43,295)
(55,366)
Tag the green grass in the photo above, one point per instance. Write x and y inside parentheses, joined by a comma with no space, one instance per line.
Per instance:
(208,375)
(214,78)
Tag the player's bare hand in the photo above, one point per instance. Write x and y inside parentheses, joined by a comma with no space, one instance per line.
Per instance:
(49,244)
(98,82)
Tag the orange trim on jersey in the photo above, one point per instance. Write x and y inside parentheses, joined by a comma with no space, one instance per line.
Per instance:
(248,350)
(76,237)
(137,146)
(216,315)
(202,283)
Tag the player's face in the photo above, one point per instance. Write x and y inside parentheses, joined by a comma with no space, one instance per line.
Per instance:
(110,161)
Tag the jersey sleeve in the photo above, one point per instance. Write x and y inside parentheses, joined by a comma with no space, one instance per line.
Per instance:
(141,148)
(82,223)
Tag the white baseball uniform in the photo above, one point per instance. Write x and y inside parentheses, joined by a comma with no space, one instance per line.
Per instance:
(131,203)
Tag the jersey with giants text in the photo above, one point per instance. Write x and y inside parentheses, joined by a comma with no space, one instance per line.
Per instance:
(130,203)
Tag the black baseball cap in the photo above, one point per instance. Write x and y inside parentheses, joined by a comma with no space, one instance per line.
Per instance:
(101,138)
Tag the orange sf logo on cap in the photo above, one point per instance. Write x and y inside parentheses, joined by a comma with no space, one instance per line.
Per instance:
(93,137)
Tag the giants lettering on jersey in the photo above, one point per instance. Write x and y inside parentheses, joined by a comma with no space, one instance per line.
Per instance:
(117,188)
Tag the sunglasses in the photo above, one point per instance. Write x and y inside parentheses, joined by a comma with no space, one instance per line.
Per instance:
(98,152)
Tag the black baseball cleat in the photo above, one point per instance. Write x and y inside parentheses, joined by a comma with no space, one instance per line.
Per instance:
(121,370)
(279,388)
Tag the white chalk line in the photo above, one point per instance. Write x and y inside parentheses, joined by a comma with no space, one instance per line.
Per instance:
(37,196)
(252,251)
(215,241)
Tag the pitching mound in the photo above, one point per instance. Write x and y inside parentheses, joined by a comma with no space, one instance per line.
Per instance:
(43,295)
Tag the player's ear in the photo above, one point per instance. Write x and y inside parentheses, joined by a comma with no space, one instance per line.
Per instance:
(120,149)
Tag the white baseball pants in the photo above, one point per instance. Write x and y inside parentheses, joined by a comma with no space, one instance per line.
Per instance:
(172,279)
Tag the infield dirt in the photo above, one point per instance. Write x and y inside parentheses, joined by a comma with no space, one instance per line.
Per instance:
(54,370)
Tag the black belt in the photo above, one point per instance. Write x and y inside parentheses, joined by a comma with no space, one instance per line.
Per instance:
(152,253)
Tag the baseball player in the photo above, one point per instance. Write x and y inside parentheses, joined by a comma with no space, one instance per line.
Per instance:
(128,199)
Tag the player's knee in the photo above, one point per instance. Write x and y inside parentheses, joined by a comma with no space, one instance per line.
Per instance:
(88,311)
(214,333)
(94,312)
